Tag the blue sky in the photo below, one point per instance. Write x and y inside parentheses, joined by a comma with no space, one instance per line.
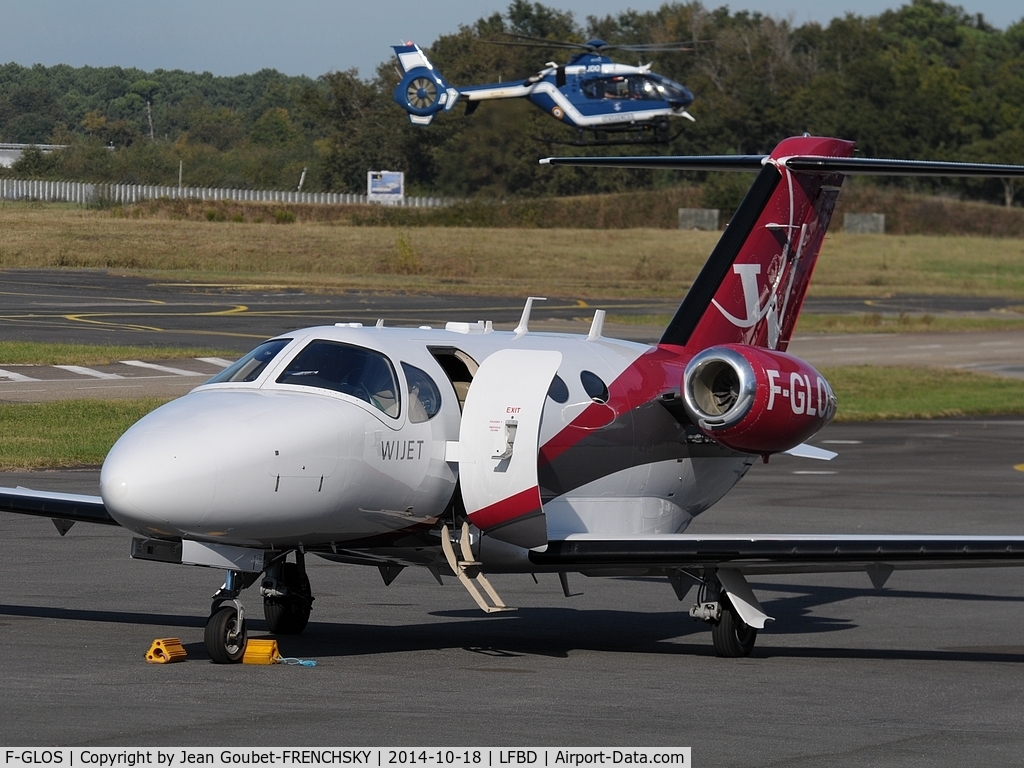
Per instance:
(310,37)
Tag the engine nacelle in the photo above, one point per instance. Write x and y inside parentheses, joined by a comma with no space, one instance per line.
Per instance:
(756,400)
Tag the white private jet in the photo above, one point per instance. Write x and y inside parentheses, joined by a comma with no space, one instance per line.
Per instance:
(471,451)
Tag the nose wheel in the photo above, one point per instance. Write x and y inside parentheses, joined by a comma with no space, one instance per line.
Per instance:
(287,602)
(225,635)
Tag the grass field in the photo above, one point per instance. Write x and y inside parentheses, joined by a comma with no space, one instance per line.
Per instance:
(68,433)
(38,353)
(873,322)
(80,432)
(555,262)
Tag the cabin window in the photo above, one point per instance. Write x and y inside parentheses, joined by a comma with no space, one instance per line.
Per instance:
(594,387)
(637,87)
(606,88)
(250,366)
(353,371)
(424,396)
(558,391)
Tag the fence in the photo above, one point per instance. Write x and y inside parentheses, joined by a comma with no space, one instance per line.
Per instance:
(124,194)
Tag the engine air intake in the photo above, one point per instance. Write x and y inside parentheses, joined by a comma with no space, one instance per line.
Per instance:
(718,387)
(755,400)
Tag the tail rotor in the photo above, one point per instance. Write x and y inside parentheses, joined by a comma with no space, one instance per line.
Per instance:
(422,93)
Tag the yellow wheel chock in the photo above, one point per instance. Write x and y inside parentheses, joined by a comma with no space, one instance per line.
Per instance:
(261,652)
(165,650)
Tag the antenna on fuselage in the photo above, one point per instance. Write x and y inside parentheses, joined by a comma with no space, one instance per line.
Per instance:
(524,321)
(597,327)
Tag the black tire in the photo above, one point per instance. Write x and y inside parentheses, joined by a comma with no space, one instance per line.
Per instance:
(289,615)
(225,636)
(732,638)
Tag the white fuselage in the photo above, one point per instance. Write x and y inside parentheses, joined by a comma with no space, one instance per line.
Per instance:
(304,456)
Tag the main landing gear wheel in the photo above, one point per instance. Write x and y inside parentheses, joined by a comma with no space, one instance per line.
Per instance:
(225,635)
(732,638)
(289,614)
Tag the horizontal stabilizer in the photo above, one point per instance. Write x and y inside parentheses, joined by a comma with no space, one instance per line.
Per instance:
(849,166)
(805,451)
(680,163)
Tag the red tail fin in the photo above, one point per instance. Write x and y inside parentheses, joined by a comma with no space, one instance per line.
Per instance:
(752,287)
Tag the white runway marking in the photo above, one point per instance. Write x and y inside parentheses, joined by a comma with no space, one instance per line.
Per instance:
(164,368)
(15,376)
(83,371)
(218,361)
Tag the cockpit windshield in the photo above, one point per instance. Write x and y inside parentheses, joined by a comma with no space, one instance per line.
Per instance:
(250,366)
(674,93)
(354,371)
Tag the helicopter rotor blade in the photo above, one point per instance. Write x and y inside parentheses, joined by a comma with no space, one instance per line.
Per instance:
(641,47)
(545,44)
(529,40)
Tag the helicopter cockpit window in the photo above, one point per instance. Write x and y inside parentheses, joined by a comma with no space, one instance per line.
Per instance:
(250,366)
(354,371)
(645,89)
(424,396)
(594,386)
(671,91)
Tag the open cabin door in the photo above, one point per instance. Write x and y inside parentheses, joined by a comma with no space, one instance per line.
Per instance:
(499,442)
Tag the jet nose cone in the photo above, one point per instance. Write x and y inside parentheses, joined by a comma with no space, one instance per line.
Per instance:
(156,471)
(209,464)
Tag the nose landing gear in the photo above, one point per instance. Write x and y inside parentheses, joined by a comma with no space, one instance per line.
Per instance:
(225,634)
(287,602)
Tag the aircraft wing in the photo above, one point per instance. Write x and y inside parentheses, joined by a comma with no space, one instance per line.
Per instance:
(767,553)
(72,507)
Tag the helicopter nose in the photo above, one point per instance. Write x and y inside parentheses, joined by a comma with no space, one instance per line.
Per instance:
(684,99)
(204,465)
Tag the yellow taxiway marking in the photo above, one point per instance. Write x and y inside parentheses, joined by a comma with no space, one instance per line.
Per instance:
(127,326)
(1019,467)
(96,298)
(93,317)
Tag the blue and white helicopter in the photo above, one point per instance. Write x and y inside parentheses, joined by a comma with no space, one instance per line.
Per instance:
(618,103)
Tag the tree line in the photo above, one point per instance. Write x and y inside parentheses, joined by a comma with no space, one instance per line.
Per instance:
(926,80)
